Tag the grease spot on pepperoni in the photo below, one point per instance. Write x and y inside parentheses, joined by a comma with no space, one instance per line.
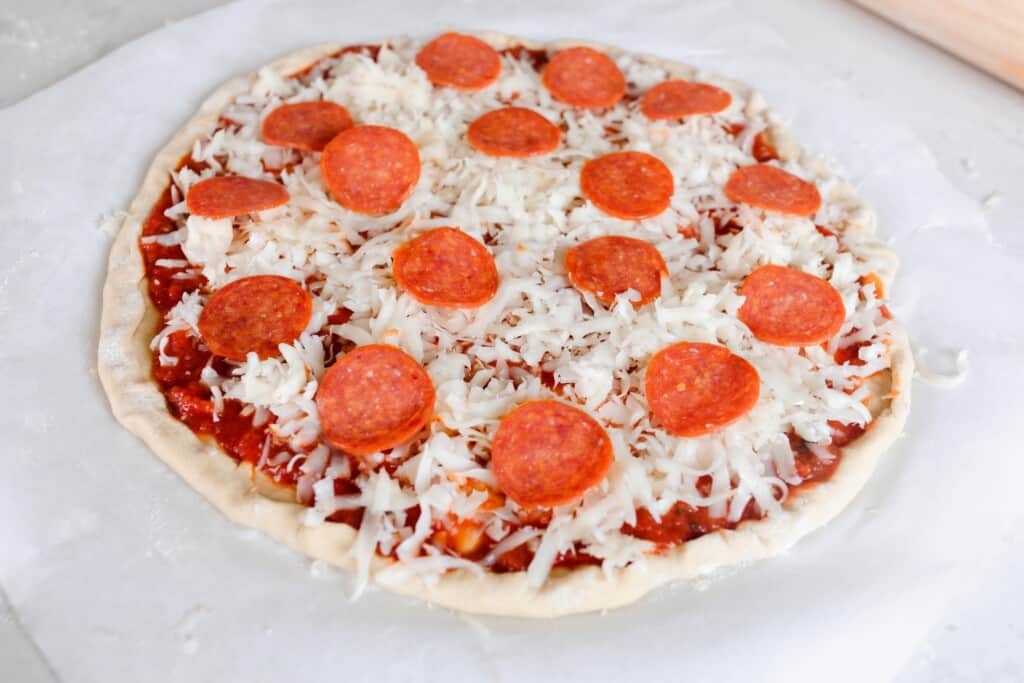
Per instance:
(584,77)
(547,453)
(255,314)
(459,61)
(628,185)
(374,398)
(608,266)
(232,195)
(446,267)
(305,125)
(678,98)
(788,307)
(771,188)
(370,169)
(694,388)
(513,132)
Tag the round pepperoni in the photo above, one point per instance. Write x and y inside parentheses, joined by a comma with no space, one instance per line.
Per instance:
(584,77)
(374,398)
(255,314)
(629,185)
(546,453)
(459,61)
(771,188)
(513,132)
(305,125)
(788,307)
(695,389)
(446,267)
(608,266)
(675,99)
(233,195)
(370,169)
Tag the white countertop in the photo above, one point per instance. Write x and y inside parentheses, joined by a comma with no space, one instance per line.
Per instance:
(973,124)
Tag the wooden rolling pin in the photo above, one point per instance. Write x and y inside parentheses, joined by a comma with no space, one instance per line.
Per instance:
(986,33)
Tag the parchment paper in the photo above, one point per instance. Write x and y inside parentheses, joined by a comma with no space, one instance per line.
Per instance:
(116,570)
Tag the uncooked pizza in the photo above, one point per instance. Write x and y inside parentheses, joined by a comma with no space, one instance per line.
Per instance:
(514,328)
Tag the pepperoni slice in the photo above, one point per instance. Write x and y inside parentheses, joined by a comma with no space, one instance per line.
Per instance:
(305,125)
(771,188)
(374,398)
(446,267)
(608,266)
(459,61)
(546,453)
(788,307)
(584,77)
(513,132)
(370,169)
(255,314)
(695,389)
(233,195)
(676,99)
(629,185)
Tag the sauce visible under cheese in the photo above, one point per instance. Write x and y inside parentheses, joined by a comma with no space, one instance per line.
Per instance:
(433,504)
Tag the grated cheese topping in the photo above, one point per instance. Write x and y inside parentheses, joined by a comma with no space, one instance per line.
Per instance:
(486,361)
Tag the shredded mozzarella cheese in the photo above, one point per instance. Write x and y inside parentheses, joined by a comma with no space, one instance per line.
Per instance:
(486,361)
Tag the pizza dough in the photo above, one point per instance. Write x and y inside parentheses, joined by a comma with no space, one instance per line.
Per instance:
(130,320)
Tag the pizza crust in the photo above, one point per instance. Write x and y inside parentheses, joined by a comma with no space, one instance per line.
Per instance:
(129,322)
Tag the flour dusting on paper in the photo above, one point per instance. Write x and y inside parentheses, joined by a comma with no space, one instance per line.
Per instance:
(992,200)
(928,375)
(110,223)
(186,629)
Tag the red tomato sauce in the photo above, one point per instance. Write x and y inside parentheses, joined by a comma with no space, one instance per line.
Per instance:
(761,149)
(165,290)
(187,398)
(537,58)
(191,402)
(371,51)
(684,522)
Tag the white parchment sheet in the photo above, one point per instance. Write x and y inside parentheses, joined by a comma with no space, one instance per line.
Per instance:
(116,570)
